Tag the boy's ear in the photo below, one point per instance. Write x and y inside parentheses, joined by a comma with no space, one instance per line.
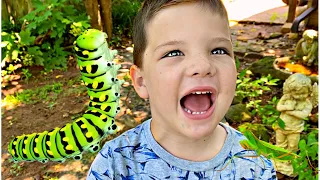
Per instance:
(138,82)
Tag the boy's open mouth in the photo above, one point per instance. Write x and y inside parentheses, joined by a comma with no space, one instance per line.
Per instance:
(197,102)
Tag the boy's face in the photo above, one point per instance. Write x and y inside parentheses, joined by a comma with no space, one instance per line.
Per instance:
(189,50)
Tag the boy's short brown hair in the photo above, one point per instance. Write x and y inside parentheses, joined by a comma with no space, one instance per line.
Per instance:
(149,10)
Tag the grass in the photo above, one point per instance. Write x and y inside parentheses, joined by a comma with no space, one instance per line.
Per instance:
(45,93)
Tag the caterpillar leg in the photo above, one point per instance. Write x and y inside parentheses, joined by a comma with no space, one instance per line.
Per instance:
(77,157)
(94,148)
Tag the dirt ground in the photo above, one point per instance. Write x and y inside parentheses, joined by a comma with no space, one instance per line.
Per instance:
(29,118)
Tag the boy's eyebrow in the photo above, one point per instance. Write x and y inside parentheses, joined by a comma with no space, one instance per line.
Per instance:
(174,42)
(220,39)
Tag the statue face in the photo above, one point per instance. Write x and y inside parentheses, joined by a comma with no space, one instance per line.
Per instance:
(300,94)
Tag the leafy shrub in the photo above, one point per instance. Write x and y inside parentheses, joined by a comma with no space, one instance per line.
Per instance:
(123,13)
(306,166)
(44,35)
(250,88)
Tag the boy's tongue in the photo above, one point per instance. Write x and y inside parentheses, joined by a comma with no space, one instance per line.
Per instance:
(196,103)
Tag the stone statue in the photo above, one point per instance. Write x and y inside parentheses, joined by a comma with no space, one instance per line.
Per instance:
(295,105)
(307,48)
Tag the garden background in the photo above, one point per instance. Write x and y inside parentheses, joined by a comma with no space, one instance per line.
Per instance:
(42,88)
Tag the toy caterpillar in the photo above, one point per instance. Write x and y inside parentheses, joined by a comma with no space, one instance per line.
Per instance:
(71,140)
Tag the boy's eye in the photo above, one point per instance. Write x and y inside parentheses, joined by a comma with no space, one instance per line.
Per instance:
(219,51)
(173,53)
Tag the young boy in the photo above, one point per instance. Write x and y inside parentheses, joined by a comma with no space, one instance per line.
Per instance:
(184,64)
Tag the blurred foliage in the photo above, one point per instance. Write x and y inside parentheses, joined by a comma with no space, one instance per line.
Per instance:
(44,36)
(123,13)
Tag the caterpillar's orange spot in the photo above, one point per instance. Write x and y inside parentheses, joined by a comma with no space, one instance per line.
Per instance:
(36,150)
(91,97)
(80,67)
(24,151)
(65,139)
(13,152)
(25,141)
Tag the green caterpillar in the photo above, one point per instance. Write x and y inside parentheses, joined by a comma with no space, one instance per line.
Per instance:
(84,134)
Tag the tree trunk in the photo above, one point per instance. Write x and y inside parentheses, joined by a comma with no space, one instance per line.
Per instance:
(105,7)
(93,11)
(100,15)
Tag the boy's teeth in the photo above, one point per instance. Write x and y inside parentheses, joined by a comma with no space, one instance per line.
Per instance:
(190,112)
(201,92)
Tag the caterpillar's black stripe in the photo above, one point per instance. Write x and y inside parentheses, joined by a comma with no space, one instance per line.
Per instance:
(93,59)
(76,139)
(23,147)
(35,146)
(94,69)
(99,130)
(30,147)
(96,76)
(82,49)
(79,53)
(56,140)
(44,142)
(100,85)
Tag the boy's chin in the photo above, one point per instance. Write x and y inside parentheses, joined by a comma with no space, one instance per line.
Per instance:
(199,130)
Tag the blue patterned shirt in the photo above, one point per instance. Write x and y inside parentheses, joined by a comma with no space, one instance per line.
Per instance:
(135,155)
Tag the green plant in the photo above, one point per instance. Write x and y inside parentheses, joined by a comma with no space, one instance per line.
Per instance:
(250,88)
(15,169)
(45,35)
(306,166)
(123,12)
(31,96)
(268,112)
(26,73)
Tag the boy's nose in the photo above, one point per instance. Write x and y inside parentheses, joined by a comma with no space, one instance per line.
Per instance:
(201,67)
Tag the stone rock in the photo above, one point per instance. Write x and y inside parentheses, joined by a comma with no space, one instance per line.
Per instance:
(238,113)
(253,55)
(275,35)
(243,38)
(255,48)
(264,66)
(240,50)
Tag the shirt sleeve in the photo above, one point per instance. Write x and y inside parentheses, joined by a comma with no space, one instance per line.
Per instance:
(102,166)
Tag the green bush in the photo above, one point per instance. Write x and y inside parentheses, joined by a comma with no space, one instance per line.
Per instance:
(45,36)
(123,13)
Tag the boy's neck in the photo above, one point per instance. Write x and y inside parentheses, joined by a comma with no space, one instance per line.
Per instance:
(190,149)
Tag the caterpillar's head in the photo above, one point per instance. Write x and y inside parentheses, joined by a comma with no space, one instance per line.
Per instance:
(91,39)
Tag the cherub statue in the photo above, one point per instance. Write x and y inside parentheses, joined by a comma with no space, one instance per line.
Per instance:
(307,48)
(295,105)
